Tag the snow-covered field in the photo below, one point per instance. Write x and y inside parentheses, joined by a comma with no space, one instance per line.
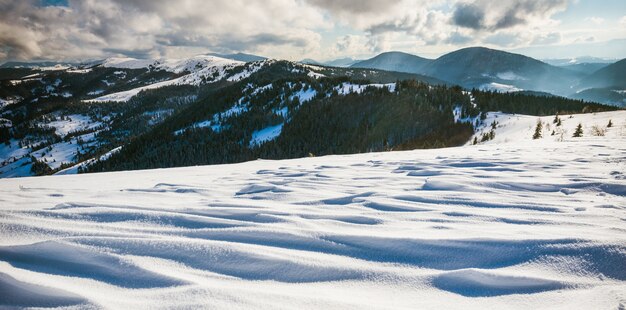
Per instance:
(518,127)
(526,224)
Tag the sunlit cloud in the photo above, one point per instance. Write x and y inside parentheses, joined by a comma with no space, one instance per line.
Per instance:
(291,29)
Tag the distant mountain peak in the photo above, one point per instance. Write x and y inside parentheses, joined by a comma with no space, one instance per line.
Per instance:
(239,56)
(394,61)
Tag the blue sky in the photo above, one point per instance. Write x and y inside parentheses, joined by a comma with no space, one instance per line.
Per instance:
(297,29)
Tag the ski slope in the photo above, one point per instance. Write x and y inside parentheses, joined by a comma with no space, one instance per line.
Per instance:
(506,224)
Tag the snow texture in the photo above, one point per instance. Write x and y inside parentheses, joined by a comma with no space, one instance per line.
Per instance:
(522,225)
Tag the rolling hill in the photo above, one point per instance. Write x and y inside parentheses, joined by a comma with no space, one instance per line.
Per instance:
(395,61)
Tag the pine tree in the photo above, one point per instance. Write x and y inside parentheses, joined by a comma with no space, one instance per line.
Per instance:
(579,131)
(538,130)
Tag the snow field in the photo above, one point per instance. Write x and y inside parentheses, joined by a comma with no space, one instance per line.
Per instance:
(530,224)
(518,128)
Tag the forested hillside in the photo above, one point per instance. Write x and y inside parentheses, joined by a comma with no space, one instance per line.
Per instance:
(307,116)
(135,114)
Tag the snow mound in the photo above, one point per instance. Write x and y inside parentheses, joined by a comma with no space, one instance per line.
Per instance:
(477,283)
(19,294)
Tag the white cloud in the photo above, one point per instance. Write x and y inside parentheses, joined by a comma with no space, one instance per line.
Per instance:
(292,29)
(595,20)
(93,28)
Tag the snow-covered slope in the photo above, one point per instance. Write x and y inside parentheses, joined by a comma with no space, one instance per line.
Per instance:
(77,131)
(526,225)
(516,128)
(128,63)
(199,69)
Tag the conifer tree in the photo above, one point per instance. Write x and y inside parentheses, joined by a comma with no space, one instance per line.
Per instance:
(538,130)
(579,131)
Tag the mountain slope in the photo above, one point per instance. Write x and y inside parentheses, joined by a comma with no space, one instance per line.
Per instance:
(69,117)
(612,76)
(395,61)
(479,67)
(359,116)
(130,113)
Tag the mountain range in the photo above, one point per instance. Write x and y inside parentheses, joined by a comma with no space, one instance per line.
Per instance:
(489,69)
(340,62)
(126,113)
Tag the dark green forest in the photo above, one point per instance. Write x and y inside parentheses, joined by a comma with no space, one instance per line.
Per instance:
(414,115)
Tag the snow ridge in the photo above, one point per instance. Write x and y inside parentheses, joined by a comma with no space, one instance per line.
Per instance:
(201,69)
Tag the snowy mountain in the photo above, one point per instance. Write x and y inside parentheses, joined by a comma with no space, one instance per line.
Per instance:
(239,57)
(37,64)
(126,113)
(516,224)
(197,70)
(67,118)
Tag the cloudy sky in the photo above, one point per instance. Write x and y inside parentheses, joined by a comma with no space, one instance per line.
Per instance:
(296,29)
